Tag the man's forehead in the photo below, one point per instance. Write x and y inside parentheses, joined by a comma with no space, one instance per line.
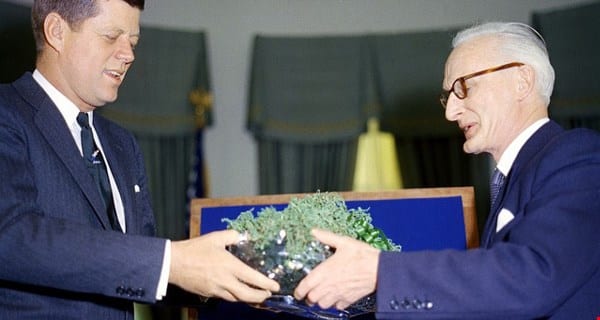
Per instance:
(116,17)
(473,55)
(456,66)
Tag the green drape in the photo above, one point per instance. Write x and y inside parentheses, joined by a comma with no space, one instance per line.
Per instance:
(163,101)
(310,88)
(155,97)
(309,100)
(168,164)
(17,47)
(409,69)
(288,167)
(573,43)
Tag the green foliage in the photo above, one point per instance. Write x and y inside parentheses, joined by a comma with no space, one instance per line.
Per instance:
(320,210)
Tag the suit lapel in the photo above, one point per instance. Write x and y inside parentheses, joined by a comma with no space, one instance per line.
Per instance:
(531,148)
(54,129)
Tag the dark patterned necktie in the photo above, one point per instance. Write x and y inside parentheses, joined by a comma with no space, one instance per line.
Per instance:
(495,184)
(95,164)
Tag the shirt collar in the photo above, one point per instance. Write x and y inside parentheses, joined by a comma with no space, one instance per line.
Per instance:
(67,109)
(510,154)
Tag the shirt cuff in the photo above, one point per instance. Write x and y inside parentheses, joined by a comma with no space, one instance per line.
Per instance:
(163,282)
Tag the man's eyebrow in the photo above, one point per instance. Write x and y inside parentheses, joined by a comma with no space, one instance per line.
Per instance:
(119,31)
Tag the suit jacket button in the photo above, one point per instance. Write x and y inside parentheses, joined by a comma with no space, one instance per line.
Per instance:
(120,290)
(139,292)
(416,303)
(428,305)
(394,304)
(405,303)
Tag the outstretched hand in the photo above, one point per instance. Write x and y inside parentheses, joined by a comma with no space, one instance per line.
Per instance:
(203,266)
(345,277)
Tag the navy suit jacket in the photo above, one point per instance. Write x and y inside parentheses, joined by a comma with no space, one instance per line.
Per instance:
(58,257)
(544,264)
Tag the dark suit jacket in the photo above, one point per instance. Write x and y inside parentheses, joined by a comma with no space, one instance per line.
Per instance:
(58,258)
(544,264)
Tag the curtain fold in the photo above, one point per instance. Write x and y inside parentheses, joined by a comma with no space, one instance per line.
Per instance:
(166,101)
(573,43)
(309,100)
(409,69)
(287,167)
(165,83)
(168,161)
(307,89)
(17,52)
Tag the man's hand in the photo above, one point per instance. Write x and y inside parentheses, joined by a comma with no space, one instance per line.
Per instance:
(345,277)
(203,266)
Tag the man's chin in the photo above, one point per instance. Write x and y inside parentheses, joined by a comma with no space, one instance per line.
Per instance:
(469,149)
(106,100)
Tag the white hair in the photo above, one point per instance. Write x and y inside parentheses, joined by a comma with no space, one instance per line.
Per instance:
(520,42)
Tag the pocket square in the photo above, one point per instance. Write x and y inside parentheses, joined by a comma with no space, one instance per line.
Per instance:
(504,217)
(136,188)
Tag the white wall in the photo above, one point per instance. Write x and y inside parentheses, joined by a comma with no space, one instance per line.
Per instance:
(231,24)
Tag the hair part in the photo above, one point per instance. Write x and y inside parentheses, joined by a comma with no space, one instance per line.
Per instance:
(521,43)
(73,11)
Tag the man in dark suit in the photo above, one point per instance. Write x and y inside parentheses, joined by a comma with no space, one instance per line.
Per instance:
(73,246)
(540,251)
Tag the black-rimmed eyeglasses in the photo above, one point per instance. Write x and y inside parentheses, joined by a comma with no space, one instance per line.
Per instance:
(459,86)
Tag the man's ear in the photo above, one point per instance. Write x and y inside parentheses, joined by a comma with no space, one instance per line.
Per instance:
(525,82)
(55,28)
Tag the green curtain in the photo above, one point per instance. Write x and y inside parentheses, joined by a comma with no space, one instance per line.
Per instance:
(163,101)
(309,100)
(573,43)
(288,167)
(409,69)
(155,98)
(17,52)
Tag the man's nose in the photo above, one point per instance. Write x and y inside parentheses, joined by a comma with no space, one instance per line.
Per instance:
(454,108)
(125,52)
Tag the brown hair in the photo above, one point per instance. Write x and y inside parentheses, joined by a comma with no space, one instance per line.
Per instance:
(73,11)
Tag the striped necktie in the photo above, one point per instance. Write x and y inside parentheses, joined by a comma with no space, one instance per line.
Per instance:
(495,184)
(95,163)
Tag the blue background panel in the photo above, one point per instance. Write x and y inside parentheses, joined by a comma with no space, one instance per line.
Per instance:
(415,224)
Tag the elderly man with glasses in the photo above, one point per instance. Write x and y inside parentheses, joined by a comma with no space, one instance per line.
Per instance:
(540,250)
